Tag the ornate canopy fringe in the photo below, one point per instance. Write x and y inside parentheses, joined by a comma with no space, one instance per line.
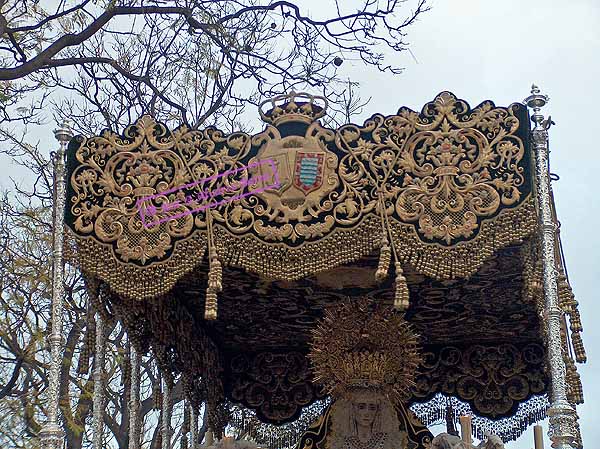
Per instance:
(277,436)
(434,412)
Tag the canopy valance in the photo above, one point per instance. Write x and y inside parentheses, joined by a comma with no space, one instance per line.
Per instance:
(455,182)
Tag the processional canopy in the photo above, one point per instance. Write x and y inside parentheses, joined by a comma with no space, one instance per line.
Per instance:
(219,252)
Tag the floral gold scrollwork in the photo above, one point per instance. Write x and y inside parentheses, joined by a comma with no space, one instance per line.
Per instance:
(446,169)
(112,173)
(454,182)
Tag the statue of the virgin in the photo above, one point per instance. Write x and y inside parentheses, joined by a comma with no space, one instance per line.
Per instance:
(365,355)
(365,419)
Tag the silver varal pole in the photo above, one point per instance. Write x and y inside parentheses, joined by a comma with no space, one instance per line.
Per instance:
(134,399)
(193,427)
(98,399)
(561,413)
(51,434)
(167,408)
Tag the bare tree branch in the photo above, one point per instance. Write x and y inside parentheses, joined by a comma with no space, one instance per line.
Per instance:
(44,58)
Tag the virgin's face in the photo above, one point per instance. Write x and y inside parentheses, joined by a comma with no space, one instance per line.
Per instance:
(366,410)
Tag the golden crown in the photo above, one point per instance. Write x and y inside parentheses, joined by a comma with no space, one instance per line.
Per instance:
(363,344)
(364,370)
(293,107)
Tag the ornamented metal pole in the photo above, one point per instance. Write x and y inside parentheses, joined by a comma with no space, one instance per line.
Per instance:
(194,427)
(51,434)
(562,415)
(134,399)
(98,400)
(167,408)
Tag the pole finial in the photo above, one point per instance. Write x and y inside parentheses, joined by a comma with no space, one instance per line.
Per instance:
(536,101)
(63,133)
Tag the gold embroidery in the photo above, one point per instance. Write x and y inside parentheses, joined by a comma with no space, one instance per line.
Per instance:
(452,181)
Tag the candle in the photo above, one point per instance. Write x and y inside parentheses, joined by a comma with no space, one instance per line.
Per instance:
(465,429)
(209,438)
(538,437)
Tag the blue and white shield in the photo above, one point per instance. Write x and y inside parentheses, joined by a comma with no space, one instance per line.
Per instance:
(308,172)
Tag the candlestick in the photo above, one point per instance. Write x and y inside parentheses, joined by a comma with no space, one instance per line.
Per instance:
(209,438)
(538,435)
(465,429)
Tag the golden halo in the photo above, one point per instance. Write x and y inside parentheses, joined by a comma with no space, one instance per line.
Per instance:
(364,344)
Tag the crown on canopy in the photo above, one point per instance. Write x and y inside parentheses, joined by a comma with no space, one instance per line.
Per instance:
(293,107)
(364,344)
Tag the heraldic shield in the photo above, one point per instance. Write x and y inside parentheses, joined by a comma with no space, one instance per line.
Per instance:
(306,174)
(308,170)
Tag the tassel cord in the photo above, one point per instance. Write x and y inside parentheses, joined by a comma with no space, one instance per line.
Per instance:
(215,274)
(402,294)
(383,267)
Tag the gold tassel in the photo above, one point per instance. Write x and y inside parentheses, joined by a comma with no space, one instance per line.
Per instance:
(385,257)
(83,366)
(215,275)
(215,285)
(578,348)
(217,270)
(89,339)
(574,387)
(210,309)
(401,298)
(570,306)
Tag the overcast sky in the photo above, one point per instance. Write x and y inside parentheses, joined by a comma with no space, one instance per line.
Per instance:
(495,50)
